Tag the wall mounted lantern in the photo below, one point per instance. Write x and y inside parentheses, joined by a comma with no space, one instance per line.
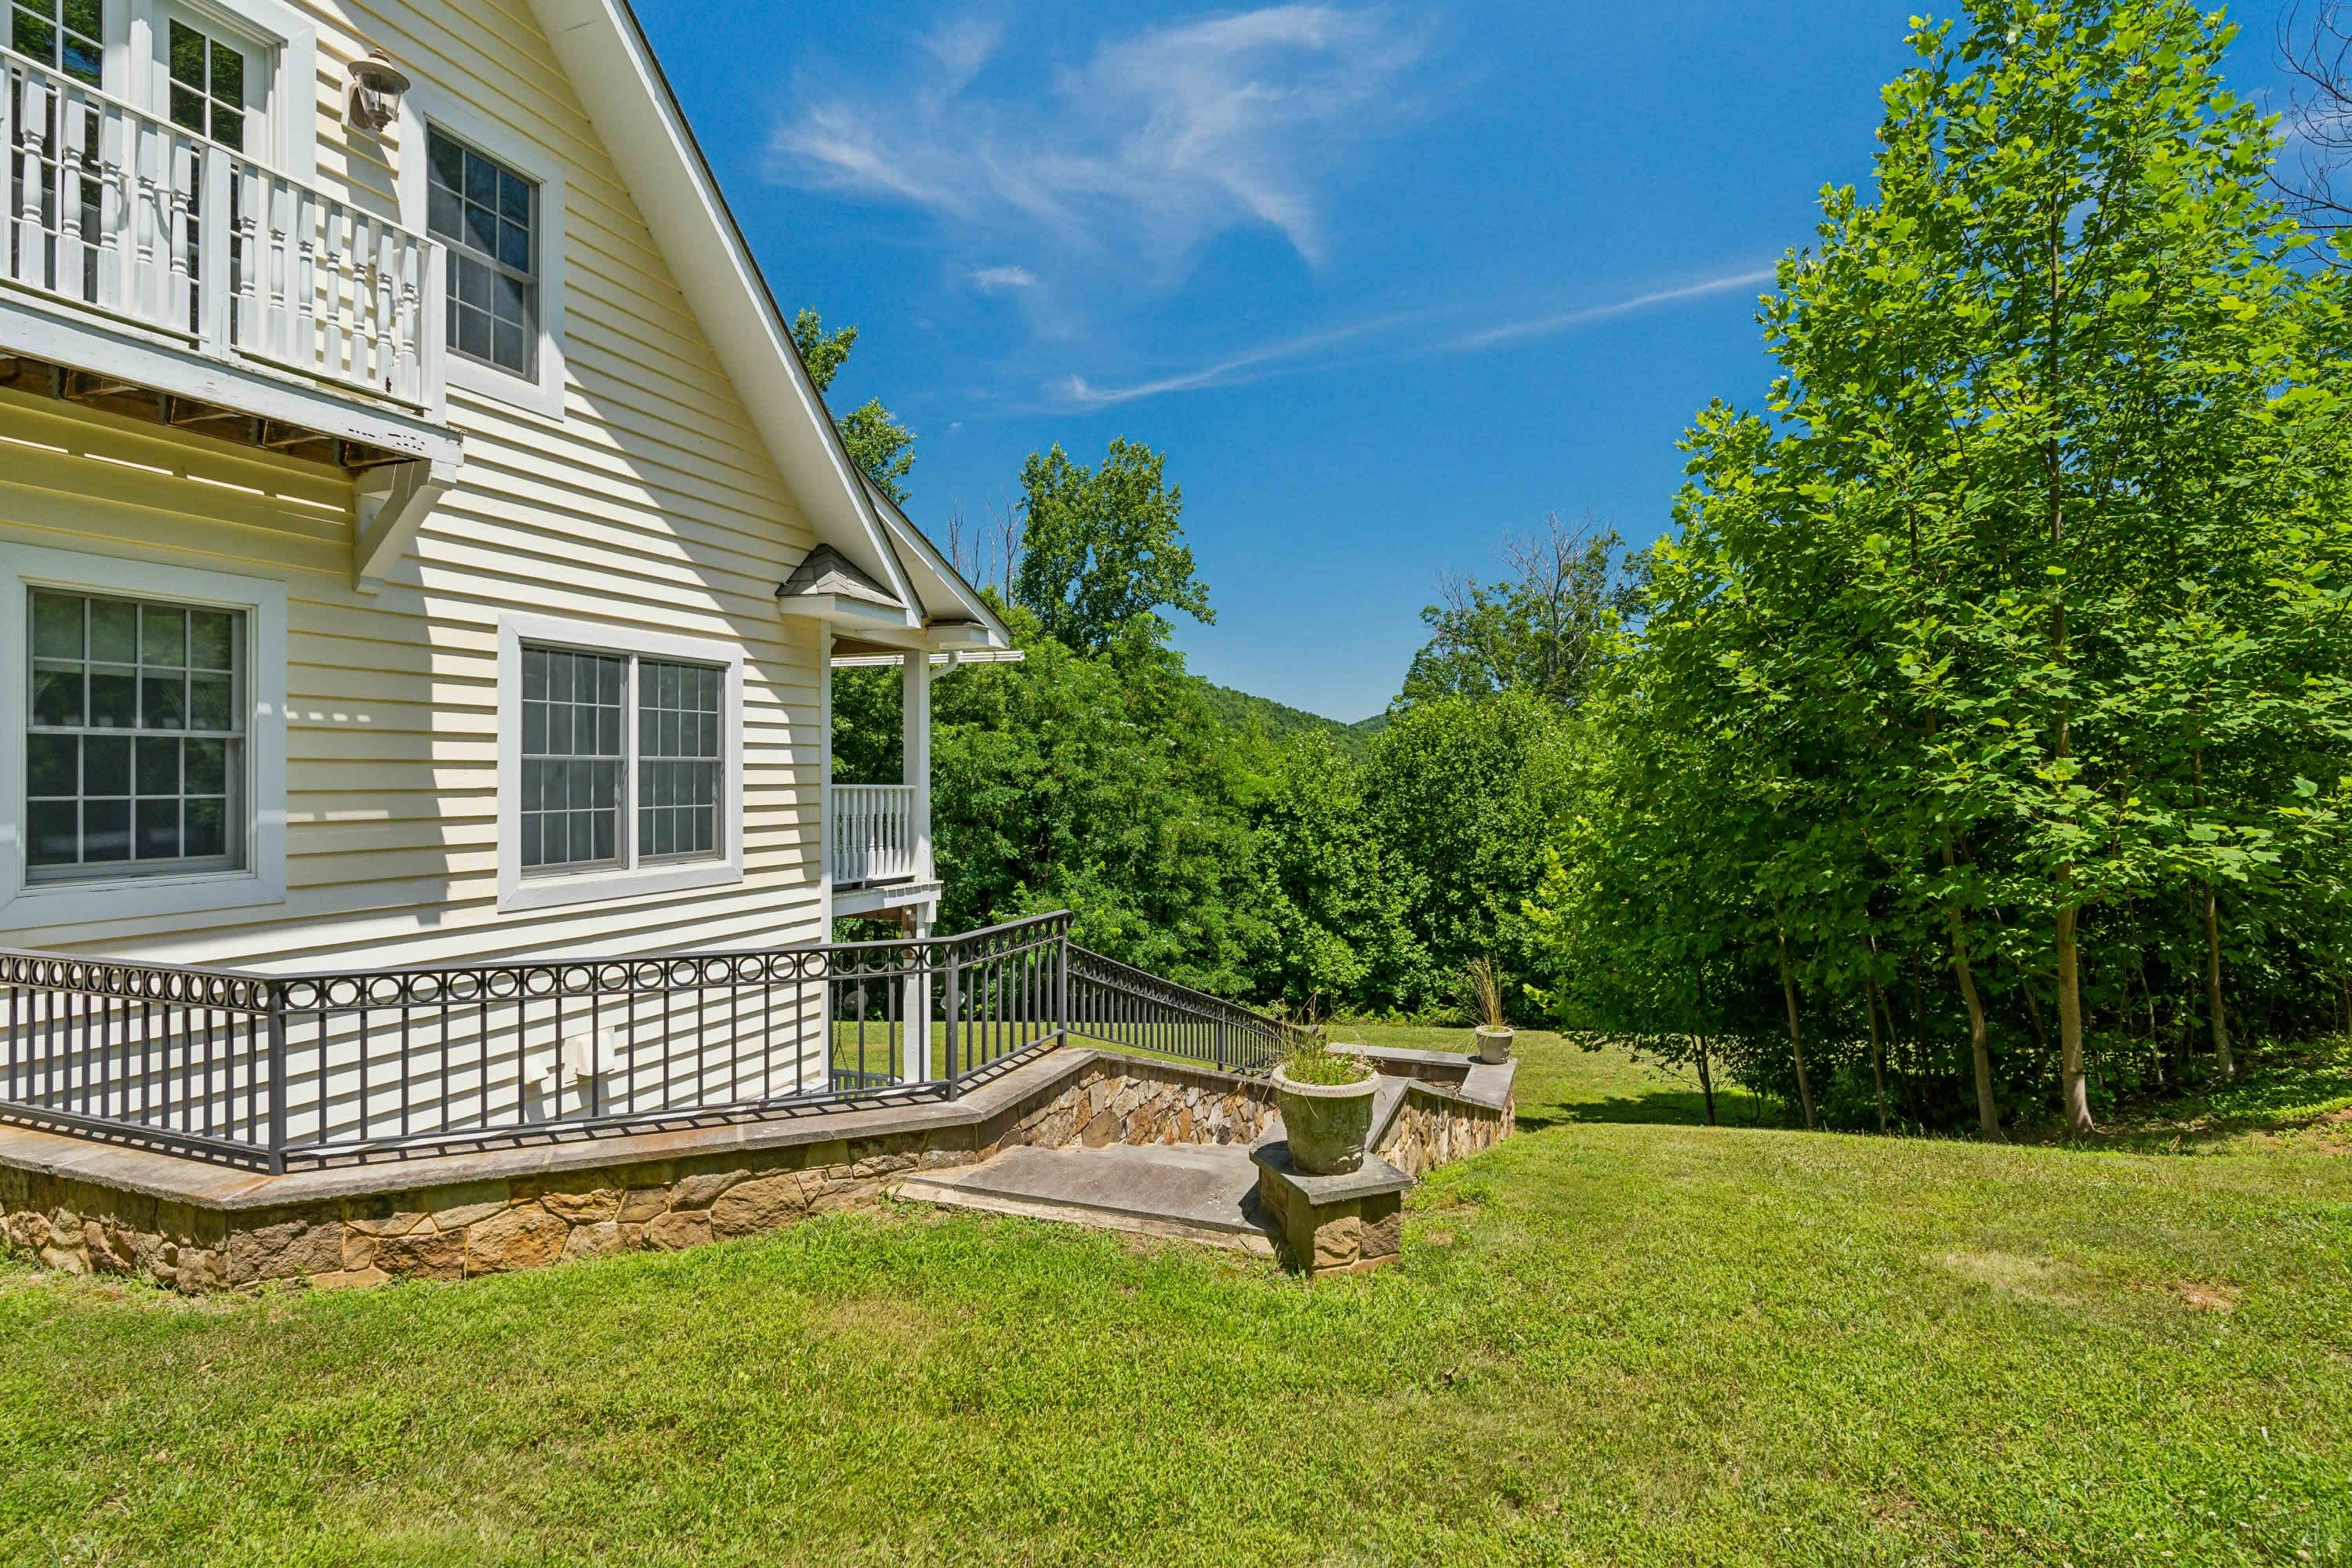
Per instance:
(372,100)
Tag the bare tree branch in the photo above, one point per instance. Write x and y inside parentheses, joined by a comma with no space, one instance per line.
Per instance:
(2314,49)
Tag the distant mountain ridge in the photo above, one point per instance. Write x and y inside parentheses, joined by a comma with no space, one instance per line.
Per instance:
(1280,721)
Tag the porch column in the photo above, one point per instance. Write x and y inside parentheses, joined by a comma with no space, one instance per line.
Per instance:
(916,1012)
(915,700)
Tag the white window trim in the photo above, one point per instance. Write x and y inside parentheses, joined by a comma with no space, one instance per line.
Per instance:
(291,39)
(553,889)
(262,880)
(424,104)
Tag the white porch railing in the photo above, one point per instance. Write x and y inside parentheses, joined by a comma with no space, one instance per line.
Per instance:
(111,208)
(873,834)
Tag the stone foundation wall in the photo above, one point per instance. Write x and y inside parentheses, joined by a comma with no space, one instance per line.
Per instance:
(1433,1130)
(496,1225)
(1139,1102)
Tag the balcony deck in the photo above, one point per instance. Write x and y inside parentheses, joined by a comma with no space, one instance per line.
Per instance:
(140,261)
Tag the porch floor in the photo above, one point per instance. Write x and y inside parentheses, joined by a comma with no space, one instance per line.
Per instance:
(1206,1193)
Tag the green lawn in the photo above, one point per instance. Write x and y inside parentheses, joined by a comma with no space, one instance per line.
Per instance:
(1620,1337)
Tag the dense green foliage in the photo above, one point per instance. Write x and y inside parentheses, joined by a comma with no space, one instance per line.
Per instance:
(1282,723)
(1618,1337)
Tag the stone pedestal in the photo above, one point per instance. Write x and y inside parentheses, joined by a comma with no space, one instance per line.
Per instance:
(1332,1225)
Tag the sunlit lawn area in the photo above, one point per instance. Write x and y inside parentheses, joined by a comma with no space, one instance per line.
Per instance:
(1621,1337)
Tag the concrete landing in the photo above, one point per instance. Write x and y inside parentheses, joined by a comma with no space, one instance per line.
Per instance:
(1194,1192)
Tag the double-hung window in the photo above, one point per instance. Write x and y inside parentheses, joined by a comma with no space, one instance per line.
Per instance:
(622,760)
(134,740)
(142,739)
(486,215)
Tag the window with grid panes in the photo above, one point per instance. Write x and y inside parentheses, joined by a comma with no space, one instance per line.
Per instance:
(207,85)
(577,751)
(134,751)
(573,754)
(62,34)
(678,760)
(487,214)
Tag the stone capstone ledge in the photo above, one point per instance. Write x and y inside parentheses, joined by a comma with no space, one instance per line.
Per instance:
(1430,1066)
(191,1226)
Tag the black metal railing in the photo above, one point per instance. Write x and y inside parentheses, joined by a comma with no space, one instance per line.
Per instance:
(280,1070)
(1123,1006)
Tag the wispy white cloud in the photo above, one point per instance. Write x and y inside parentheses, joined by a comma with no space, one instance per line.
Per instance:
(998,279)
(1439,329)
(1154,143)
(1544,326)
(1254,365)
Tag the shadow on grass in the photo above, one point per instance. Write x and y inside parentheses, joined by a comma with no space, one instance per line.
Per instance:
(2281,1090)
(1660,1107)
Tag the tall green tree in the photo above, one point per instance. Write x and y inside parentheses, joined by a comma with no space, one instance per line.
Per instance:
(2074,265)
(876,443)
(1542,628)
(1104,551)
(1465,792)
(2007,627)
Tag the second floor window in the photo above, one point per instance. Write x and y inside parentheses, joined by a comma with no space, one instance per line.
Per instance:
(62,34)
(208,87)
(487,214)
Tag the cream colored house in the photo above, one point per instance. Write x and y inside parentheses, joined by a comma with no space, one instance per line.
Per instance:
(419,543)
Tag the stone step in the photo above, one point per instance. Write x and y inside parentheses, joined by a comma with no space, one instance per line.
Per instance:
(1193,1192)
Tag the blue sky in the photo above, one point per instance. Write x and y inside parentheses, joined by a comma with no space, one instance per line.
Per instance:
(1383,282)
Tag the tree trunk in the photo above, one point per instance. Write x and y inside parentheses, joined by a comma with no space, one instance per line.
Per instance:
(1705,1079)
(2213,984)
(2155,1046)
(1979,1044)
(1919,1045)
(2212,914)
(2074,1085)
(1789,995)
(1877,1062)
(2075,1090)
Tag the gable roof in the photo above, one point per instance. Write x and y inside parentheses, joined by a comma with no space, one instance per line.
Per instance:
(825,573)
(637,117)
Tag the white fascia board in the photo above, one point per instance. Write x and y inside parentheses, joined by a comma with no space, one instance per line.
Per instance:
(644,131)
(855,615)
(952,659)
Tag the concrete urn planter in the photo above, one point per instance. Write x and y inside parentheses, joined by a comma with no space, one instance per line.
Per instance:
(1327,1125)
(1494,1045)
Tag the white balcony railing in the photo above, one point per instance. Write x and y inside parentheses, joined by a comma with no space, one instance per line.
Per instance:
(873,834)
(114,210)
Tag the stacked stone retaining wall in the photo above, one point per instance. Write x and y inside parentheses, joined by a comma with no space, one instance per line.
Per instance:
(414,1227)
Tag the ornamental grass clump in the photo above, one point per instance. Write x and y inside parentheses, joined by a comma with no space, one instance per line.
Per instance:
(1482,990)
(1313,1061)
